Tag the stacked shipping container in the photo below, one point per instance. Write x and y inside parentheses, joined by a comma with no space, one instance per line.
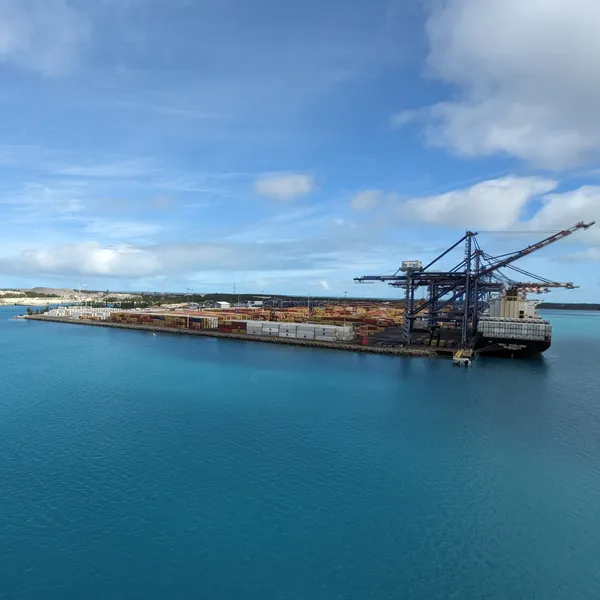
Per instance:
(305,331)
(378,315)
(82,312)
(536,330)
(167,320)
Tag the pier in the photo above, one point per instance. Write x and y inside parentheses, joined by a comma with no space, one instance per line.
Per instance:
(423,352)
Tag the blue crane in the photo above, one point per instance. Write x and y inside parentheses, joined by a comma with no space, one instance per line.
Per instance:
(464,289)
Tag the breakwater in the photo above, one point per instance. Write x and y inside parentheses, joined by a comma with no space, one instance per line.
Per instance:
(347,346)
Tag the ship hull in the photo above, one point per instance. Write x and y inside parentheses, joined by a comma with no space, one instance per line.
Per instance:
(510,348)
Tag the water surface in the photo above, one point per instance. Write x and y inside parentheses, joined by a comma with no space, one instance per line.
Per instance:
(160,467)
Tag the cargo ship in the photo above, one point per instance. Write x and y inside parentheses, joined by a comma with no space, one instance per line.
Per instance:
(512,327)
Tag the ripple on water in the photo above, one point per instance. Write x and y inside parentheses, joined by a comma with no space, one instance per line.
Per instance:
(139,467)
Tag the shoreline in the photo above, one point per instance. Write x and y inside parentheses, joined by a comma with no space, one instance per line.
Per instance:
(347,346)
(32,301)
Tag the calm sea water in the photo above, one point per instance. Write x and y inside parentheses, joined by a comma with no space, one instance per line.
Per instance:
(145,467)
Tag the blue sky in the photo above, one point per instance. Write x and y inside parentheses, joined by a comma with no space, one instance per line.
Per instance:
(291,146)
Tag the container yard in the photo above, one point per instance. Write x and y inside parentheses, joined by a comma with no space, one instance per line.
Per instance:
(344,323)
(323,342)
(331,324)
(348,327)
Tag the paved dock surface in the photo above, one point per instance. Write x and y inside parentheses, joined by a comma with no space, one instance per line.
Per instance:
(347,346)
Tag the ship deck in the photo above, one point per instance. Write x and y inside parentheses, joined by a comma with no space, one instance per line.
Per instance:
(446,345)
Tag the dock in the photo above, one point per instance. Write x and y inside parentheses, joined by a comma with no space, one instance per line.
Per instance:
(422,352)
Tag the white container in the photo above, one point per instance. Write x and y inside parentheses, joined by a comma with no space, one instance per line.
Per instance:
(324,338)
(305,335)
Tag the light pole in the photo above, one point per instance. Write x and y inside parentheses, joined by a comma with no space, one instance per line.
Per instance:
(188,308)
(345,310)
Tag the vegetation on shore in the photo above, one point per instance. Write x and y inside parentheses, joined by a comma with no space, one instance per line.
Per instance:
(31,294)
(38,311)
(148,300)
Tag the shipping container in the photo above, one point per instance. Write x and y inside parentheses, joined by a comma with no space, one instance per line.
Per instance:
(306,335)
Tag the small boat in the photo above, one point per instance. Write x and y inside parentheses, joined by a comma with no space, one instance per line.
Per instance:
(462,359)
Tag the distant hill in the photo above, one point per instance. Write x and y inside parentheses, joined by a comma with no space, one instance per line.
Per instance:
(50,291)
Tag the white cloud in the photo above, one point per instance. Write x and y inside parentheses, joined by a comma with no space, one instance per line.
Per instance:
(93,259)
(116,170)
(44,36)
(324,284)
(526,76)
(284,186)
(591,254)
(88,259)
(124,230)
(366,199)
(404,118)
(493,204)
(172,110)
(565,209)
(62,198)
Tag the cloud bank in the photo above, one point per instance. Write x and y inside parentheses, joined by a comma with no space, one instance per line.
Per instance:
(524,75)
(44,36)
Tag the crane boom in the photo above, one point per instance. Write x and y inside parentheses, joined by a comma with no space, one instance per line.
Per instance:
(479,275)
(534,247)
(543,285)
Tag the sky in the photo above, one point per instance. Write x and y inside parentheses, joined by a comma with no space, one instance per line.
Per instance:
(288,147)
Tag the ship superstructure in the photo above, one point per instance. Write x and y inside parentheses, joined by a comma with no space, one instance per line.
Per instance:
(512,326)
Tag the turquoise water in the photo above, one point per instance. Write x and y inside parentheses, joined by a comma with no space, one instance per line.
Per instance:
(140,467)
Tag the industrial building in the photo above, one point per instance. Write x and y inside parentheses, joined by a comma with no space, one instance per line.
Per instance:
(82,312)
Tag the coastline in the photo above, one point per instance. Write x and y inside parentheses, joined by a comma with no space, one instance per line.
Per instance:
(30,301)
(344,346)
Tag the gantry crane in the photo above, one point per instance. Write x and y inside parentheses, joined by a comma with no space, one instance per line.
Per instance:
(532,287)
(463,290)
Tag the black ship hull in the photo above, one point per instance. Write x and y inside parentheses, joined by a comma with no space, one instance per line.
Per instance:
(510,348)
